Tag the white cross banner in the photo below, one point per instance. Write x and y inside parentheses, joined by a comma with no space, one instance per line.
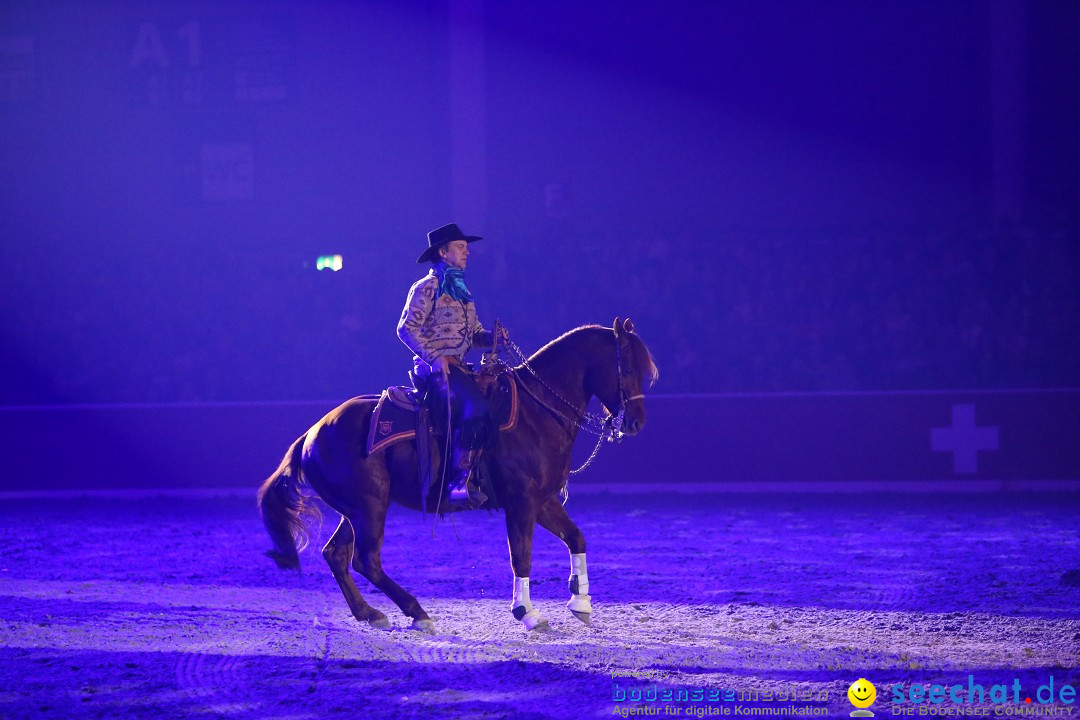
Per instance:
(964,439)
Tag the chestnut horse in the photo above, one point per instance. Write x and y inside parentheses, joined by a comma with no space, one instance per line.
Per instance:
(528,466)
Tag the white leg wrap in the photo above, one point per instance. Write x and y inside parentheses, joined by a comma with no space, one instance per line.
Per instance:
(580,602)
(522,606)
(521,593)
(577,572)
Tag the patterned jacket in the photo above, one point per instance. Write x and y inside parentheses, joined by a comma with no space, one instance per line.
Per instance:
(433,328)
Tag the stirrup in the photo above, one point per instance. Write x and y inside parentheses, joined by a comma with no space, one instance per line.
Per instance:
(468,496)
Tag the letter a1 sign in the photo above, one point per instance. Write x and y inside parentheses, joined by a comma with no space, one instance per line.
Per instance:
(964,439)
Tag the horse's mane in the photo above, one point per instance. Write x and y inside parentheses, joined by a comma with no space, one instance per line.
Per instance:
(539,354)
(643,358)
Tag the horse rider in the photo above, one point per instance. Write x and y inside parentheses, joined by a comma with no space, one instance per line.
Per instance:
(439,324)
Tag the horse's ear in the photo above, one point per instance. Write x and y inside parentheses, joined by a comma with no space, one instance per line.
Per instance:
(628,325)
(621,336)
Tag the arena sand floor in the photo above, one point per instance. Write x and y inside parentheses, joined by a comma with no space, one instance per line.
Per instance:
(706,604)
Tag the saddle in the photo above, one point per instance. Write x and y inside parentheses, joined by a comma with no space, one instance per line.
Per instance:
(401,410)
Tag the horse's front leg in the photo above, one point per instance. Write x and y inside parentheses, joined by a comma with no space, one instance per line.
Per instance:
(520,523)
(553,518)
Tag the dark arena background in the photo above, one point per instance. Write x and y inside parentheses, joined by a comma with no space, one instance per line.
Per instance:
(848,231)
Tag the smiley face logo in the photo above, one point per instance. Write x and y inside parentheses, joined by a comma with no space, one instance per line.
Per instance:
(862,693)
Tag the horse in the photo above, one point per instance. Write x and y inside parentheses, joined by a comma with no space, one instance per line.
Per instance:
(528,466)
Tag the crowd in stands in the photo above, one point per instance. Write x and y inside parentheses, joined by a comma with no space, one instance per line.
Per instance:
(723,312)
(842,311)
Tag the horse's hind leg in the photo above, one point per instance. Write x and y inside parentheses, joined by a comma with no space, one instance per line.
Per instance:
(520,523)
(337,552)
(368,562)
(553,518)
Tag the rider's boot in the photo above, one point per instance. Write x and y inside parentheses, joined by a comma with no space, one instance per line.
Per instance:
(464,491)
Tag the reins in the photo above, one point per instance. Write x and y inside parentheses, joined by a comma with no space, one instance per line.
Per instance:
(605,428)
(589,422)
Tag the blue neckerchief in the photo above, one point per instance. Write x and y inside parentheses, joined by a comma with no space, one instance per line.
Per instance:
(452,283)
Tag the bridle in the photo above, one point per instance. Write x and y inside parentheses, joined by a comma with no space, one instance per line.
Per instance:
(624,396)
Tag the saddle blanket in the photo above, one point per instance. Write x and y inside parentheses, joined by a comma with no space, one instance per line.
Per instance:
(394,418)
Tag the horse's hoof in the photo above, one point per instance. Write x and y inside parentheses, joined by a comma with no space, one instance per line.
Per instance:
(533,620)
(283,561)
(424,625)
(380,623)
(542,626)
(581,607)
(582,616)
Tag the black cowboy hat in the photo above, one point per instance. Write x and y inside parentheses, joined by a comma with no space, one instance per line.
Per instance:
(441,236)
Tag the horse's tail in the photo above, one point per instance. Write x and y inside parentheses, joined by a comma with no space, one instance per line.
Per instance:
(284,509)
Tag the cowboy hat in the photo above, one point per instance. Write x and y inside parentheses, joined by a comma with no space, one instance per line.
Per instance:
(441,236)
